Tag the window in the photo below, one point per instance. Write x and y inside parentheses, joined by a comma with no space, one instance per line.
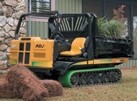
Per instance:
(124,11)
(39,6)
(92,6)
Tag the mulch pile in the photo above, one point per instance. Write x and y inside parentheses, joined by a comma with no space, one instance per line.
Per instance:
(54,87)
(5,89)
(20,82)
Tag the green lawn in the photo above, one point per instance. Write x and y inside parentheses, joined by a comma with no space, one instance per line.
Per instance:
(125,90)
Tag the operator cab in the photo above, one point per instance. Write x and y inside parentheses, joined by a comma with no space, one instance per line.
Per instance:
(73,35)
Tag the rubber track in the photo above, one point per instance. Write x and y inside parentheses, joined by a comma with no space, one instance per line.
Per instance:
(84,78)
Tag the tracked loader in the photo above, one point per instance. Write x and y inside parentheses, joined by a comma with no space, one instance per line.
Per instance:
(74,53)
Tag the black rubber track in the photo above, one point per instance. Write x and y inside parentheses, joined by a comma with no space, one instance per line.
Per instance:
(96,77)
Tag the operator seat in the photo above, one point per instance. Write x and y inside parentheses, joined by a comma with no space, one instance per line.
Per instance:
(76,47)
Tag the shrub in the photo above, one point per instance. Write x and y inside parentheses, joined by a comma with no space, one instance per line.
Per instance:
(110,28)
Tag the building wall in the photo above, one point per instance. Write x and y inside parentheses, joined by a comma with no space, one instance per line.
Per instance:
(38,27)
(10,11)
(69,6)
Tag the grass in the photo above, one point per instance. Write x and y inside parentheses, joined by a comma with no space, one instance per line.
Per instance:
(125,90)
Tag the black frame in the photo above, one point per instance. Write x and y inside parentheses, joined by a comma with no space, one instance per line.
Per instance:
(23,17)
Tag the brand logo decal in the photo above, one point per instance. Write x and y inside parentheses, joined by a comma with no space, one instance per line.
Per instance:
(39,46)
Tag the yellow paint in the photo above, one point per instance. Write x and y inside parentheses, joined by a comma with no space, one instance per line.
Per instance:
(41,51)
(104,61)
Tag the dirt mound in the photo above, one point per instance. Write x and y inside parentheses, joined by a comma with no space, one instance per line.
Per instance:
(54,87)
(20,82)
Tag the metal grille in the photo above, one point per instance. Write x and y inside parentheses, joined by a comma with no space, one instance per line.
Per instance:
(73,23)
(27,47)
(27,57)
(24,53)
(21,47)
(20,58)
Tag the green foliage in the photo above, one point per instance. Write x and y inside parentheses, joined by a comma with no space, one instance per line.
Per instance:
(110,28)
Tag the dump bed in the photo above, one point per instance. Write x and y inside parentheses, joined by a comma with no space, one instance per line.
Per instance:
(72,26)
(112,47)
